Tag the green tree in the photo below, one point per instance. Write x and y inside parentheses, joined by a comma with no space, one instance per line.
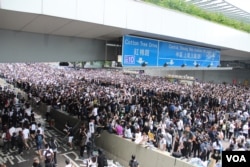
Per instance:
(183,6)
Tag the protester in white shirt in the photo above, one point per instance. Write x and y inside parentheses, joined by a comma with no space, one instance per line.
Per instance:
(12,130)
(231,129)
(39,127)
(162,143)
(128,133)
(169,141)
(92,126)
(245,130)
(138,136)
(26,135)
(92,162)
(180,127)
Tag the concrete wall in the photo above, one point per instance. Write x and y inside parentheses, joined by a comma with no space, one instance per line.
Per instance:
(217,76)
(135,15)
(59,117)
(31,47)
(123,149)
(112,53)
(117,148)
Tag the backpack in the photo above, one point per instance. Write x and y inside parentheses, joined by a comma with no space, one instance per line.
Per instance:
(52,145)
(105,161)
(48,156)
(39,138)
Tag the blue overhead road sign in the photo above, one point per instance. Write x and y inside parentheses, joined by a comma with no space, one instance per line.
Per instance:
(156,53)
(139,50)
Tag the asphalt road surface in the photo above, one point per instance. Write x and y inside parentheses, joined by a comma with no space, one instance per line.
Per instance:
(13,159)
(26,160)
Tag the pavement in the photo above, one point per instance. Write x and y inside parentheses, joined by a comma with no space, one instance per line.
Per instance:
(16,160)
(13,159)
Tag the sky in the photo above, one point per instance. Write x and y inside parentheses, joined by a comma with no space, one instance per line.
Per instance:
(243,4)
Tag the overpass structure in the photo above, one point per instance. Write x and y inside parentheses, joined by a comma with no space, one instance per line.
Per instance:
(78,30)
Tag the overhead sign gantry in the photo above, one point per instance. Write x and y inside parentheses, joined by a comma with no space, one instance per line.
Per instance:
(138,51)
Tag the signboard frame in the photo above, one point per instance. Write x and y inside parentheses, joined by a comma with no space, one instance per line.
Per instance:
(141,51)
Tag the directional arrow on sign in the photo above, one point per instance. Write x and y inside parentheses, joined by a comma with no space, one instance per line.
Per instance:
(171,62)
(140,60)
(195,63)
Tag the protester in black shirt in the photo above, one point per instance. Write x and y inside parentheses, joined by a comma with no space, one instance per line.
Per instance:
(101,159)
(133,162)
(70,135)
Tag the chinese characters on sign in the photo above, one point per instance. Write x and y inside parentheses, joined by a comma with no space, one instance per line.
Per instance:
(138,50)
(141,52)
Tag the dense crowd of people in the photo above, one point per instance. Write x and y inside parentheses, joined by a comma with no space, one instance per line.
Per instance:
(191,120)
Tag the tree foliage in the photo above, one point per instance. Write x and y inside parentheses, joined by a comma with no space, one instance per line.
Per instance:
(185,7)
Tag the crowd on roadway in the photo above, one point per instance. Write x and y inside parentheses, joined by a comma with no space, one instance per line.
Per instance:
(19,129)
(186,120)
